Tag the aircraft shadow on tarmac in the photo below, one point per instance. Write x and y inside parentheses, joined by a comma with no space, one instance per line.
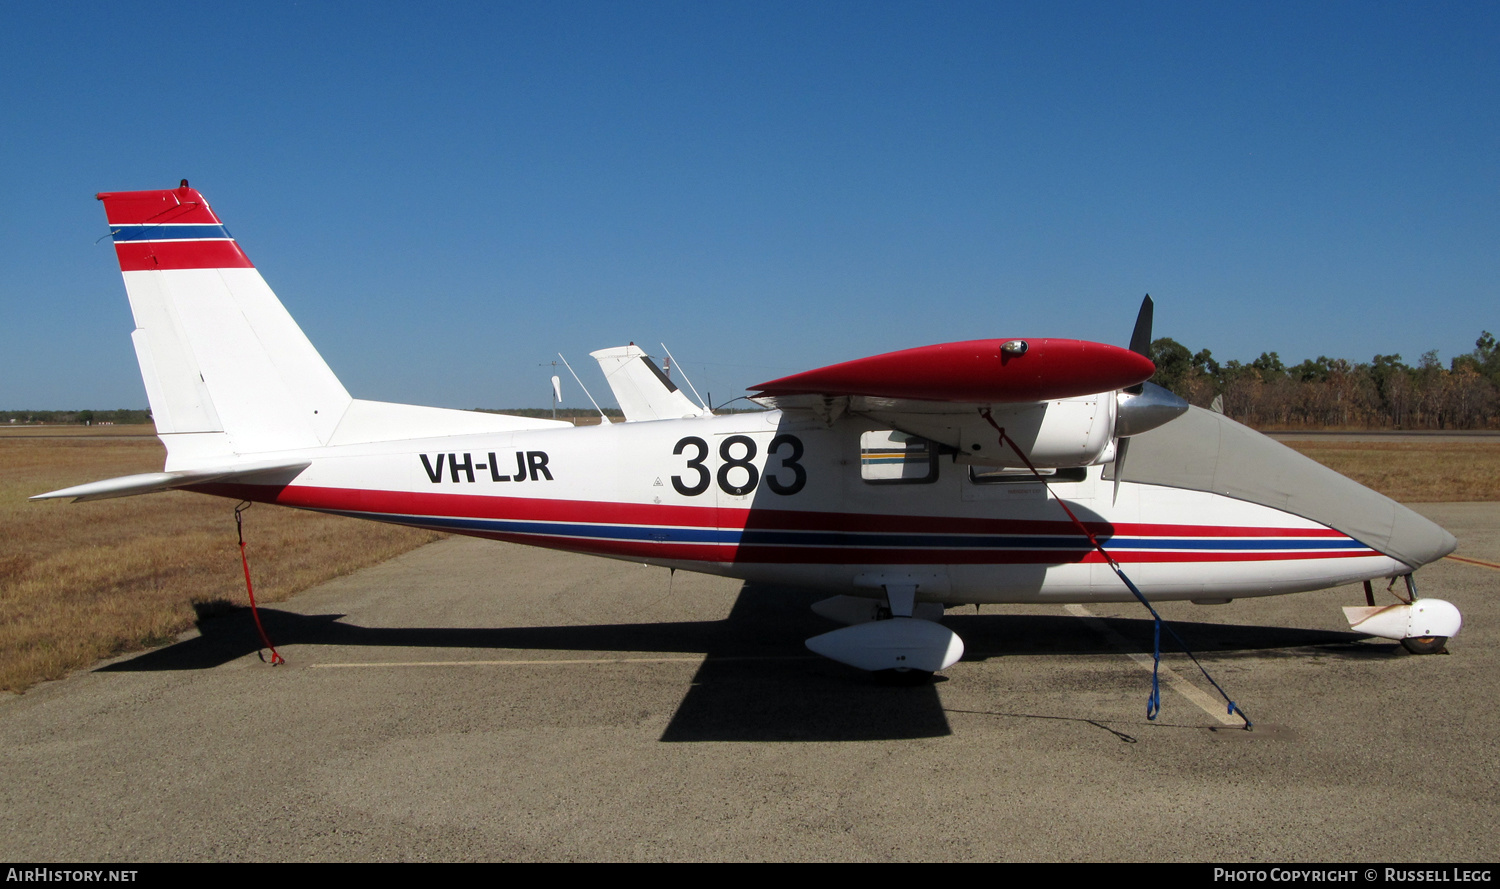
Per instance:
(757,682)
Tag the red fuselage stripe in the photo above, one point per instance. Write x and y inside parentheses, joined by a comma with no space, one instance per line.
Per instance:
(412,508)
(548,510)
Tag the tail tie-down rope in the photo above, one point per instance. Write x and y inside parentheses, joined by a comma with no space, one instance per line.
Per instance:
(1153,703)
(239,528)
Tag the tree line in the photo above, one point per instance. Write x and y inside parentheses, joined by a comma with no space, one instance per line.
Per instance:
(1333,392)
(120,417)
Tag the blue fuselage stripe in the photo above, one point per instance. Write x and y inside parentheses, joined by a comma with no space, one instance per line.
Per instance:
(754,537)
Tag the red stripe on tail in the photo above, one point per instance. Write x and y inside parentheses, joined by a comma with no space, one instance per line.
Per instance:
(182,205)
(136,256)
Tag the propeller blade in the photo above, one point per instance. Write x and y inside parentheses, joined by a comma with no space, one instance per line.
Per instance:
(1140,338)
(1140,344)
(1121,447)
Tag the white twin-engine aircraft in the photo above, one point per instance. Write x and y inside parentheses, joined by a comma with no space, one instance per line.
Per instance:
(987,471)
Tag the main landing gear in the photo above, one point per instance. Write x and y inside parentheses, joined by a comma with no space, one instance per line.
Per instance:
(1422,626)
(898,639)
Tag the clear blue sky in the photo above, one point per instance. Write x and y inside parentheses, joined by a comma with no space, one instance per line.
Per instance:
(445,195)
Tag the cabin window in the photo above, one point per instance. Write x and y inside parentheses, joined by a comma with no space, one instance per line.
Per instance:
(887,457)
(986,475)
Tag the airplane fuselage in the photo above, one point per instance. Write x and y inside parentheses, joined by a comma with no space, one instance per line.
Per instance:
(770,497)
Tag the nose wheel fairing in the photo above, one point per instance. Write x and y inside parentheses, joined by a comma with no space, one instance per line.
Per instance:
(1421,625)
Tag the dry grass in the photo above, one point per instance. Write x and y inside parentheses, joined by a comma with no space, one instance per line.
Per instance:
(1415,471)
(80,582)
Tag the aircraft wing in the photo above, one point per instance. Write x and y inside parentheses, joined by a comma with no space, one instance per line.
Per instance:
(977,372)
(1054,398)
(153,482)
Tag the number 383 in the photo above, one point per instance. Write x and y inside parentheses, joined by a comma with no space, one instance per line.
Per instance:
(738,474)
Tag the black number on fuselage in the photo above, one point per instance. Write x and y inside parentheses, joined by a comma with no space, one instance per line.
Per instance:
(752,474)
(695,463)
(799,475)
(744,462)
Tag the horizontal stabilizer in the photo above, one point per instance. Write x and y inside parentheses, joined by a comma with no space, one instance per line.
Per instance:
(153,482)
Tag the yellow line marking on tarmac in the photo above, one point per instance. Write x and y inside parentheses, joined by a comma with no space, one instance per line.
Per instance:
(1469,561)
(1174,680)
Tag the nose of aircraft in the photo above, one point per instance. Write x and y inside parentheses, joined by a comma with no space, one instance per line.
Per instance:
(1205,451)
(1419,539)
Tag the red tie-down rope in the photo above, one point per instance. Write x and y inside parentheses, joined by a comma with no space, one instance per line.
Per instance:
(239,528)
(1153,703)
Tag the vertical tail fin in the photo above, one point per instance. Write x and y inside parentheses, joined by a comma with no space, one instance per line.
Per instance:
(644,392)
(227,370)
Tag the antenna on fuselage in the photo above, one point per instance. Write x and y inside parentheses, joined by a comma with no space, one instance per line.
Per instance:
(685,378)
(603,417)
